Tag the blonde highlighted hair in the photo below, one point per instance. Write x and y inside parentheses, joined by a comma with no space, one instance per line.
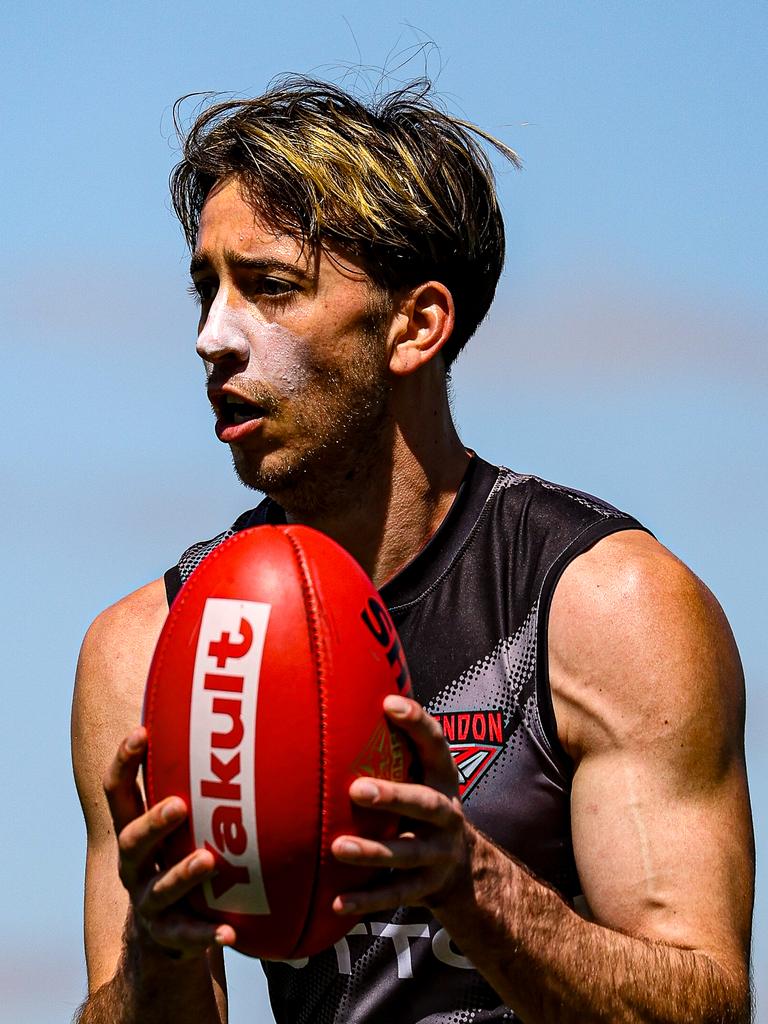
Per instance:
(397,183)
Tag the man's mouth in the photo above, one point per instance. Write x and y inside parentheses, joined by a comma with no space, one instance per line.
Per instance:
(232,410)
(237,418)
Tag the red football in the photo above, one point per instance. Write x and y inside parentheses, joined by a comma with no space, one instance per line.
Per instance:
(263,703)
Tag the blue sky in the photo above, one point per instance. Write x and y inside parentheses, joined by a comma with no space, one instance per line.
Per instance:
(626,353)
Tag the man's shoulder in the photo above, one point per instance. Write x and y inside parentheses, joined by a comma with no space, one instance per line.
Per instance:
(118,647)
(109,691)
(633,569)
(631,619)
(129,621)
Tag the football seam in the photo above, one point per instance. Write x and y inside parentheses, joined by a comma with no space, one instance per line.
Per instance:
(318,650)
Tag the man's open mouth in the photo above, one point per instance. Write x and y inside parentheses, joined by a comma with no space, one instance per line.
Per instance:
(233,410)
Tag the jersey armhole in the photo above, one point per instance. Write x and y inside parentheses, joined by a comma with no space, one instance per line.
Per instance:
(583,542)
(172,579)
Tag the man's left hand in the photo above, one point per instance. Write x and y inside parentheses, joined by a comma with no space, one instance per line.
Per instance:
(430,859)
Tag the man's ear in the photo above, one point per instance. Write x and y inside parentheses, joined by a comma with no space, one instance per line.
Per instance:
(422,325)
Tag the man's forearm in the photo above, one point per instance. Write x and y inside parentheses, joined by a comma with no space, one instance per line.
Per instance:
(549,964)
(151,988)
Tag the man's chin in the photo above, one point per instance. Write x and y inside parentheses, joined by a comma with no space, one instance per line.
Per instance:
(305,488)
(266,473)
(282,478)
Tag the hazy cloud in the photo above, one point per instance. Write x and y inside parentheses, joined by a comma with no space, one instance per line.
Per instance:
(604,329)
(596,327)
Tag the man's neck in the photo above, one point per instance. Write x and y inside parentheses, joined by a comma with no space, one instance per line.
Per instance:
(390,514)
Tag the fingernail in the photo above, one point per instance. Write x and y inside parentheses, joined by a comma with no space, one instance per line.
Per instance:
(366,789)
(396,706)
(135,741)
(198,863)
(348,847)
(222,936)
(347,905)
(172,811)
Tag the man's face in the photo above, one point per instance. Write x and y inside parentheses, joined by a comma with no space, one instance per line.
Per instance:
(294,343)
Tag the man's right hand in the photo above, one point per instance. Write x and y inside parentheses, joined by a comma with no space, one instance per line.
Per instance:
(145,950)
(159,918)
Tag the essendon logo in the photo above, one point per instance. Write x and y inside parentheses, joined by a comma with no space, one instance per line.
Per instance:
(221,750)
(476,739)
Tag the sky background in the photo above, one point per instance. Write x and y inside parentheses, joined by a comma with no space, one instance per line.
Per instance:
(625,355)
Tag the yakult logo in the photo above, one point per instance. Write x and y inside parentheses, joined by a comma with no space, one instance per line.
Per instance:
(221,750)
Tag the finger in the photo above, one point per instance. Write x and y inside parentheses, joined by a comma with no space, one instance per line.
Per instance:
(138,842)
(181,935)
(406,852)
(172,885)
(120,786)
(403,890)
(407,799)
(426,734)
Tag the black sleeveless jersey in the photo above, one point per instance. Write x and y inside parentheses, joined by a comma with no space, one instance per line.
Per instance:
(471,610)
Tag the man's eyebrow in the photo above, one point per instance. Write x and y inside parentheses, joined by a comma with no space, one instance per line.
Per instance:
(201,261)
(198,262)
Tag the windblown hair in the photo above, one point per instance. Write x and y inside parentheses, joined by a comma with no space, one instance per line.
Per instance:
(398,184)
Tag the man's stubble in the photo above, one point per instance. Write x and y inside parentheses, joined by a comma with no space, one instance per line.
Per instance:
(342,421)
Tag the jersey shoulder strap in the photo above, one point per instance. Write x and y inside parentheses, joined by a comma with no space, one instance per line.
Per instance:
(175,577)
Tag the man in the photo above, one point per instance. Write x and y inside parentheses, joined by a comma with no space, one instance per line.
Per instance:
(592,861)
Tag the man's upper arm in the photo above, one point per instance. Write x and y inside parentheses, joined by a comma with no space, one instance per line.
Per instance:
(109,690)
(649,698)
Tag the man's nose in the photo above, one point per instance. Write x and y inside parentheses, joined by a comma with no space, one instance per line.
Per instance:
(222,336)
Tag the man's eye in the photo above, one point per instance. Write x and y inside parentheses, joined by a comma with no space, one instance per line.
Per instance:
(203,291)
(275,286)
